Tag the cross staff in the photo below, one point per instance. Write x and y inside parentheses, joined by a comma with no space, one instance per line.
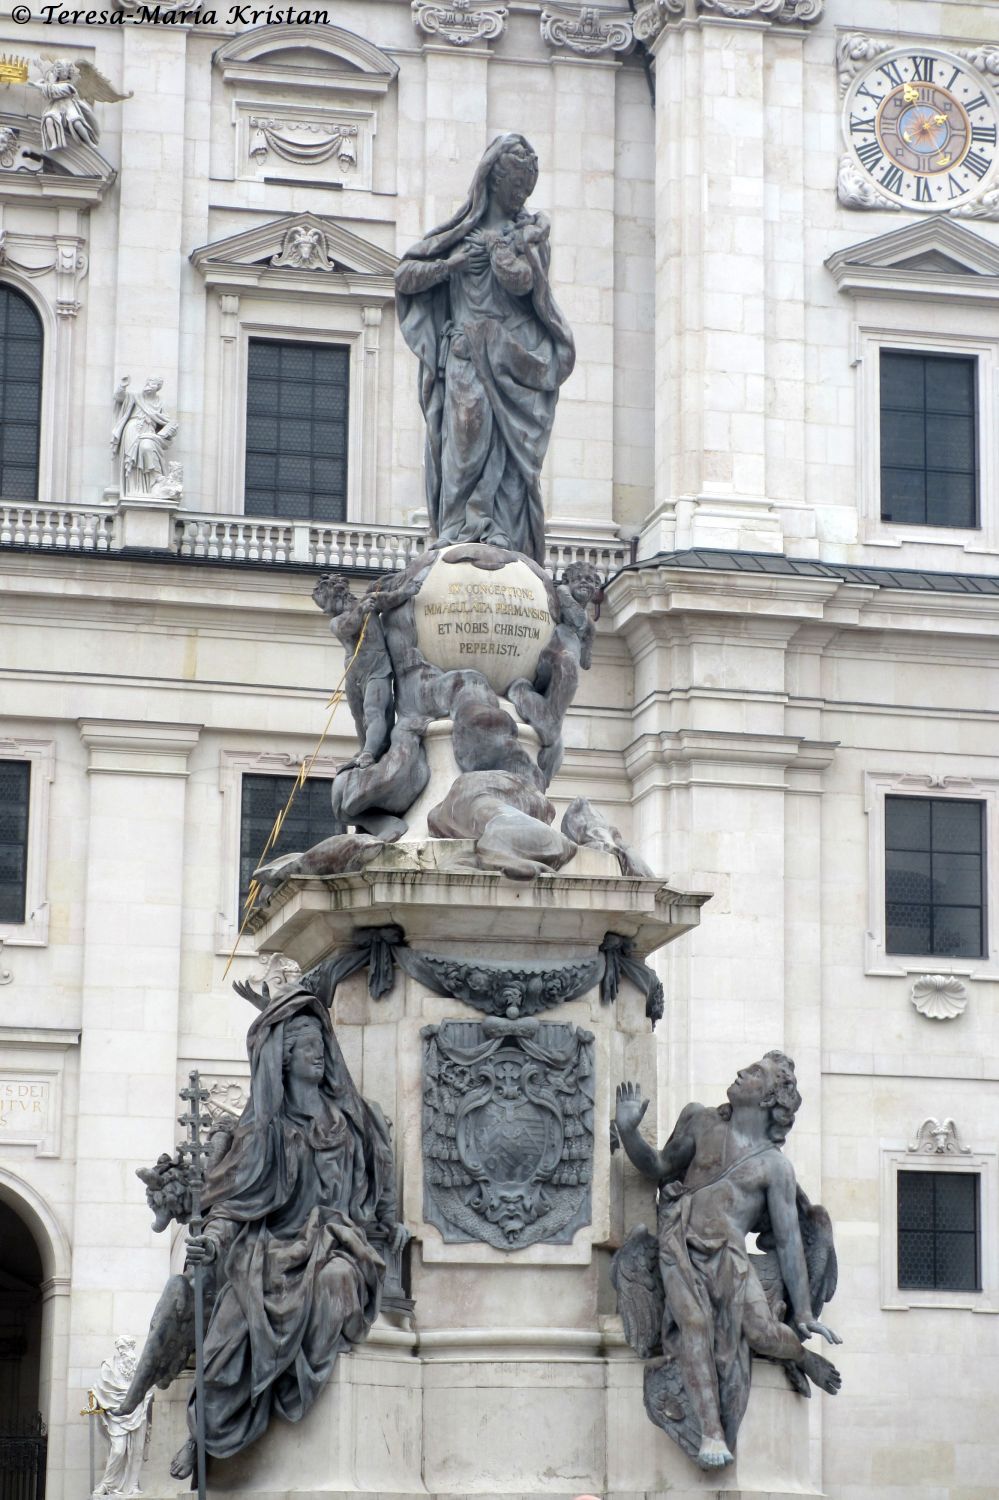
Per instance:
(195,1150)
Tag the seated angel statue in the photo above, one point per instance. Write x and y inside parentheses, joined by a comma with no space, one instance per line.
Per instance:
(294,1211)
(694,1291)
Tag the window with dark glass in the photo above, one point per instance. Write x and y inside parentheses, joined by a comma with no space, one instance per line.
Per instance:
(309,821)
(296,430)
(20,395)
(939,1237)
(15,790)
(929,446)
(935,876)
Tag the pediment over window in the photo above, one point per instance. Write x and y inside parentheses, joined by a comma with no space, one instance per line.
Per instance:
(78,178)
(299,253)
(934,258)
(309,57)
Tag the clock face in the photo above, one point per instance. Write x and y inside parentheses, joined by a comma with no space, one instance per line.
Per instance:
(922,125)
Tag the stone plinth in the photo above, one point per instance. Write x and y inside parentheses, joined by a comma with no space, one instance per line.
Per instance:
(416,885)
(402,1420)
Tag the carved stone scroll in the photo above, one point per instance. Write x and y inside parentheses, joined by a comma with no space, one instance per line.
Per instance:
(589,30)
(507,1131)
(460,22)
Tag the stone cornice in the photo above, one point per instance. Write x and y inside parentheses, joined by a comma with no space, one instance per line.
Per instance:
(127,747)
(654,16)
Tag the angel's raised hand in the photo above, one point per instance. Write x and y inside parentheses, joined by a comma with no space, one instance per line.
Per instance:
(809,1326)
(630,1108)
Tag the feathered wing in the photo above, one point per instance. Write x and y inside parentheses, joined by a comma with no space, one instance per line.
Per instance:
(635,1277)
(170,1342)
(95,88)
(820,1252)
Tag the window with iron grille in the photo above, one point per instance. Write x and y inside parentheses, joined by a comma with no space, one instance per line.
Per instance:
(929,442)
(935,876)
(20,395)
(939,1239)
(296,430)
(309,821)
(15,786)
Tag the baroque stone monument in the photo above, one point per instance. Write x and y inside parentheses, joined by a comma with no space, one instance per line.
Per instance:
(484,964)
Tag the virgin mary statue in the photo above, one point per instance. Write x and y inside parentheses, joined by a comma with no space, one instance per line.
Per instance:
(476,307)
(289,1209)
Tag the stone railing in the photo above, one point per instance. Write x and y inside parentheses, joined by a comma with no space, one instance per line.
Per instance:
(261,539)
(64,528)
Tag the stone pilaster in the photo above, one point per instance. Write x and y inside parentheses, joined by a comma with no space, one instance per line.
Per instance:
(129,1018)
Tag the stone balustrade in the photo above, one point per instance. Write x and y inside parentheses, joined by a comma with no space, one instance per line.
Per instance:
(339,546)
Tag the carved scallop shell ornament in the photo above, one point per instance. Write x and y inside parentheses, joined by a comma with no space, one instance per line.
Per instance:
(941,997)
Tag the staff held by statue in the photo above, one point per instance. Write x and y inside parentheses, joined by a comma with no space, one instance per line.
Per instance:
(194,1149)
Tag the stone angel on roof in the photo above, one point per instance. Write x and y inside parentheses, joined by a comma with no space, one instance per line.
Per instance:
(71,89)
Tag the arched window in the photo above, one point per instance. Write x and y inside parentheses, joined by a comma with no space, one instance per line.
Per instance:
(20,395)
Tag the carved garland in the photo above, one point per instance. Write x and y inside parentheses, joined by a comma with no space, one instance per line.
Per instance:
(272,135)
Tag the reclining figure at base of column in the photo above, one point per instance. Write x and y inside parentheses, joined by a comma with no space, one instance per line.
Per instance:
(692,1294)
(298,1211)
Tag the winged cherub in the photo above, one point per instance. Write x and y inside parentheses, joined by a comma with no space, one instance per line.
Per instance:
(70,90)
(694,1291)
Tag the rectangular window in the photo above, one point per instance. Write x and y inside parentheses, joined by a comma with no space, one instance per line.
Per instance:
(939,1231)
(309,822)
(929,444)
(296,430)
(15,785)
(935,876)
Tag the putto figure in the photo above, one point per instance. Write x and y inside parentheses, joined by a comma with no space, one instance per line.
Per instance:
(476,307)
(295,1212)
(140,437)
(693,1294)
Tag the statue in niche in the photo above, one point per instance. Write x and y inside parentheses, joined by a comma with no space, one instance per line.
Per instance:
(140,437)
(476,307)
(544,703)
(128,1434)
(70,89)
(693,1294)
(299,1213)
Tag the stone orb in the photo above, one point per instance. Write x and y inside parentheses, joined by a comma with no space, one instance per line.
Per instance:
(476,615)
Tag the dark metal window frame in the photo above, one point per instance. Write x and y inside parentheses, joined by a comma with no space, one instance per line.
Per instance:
(926,358)
(19,475)
(906,1280)
(934,905)
(309,821)
(16,913)
(295,434)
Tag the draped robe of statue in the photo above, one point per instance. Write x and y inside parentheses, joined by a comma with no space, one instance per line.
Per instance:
(289,1207)
(140,437)
(494,348)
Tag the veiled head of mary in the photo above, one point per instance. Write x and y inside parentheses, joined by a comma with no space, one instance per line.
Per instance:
(514,174)
(303,1054)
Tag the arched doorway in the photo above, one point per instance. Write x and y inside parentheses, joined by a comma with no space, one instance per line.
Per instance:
(22,1430)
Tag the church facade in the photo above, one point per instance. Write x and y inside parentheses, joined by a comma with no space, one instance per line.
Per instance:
(775,235)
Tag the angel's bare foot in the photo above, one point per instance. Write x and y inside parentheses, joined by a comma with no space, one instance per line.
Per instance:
(714,1454)
(182,1464)
(822,1372)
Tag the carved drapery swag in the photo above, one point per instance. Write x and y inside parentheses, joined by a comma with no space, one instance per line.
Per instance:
(512,990)
(274,135)
(507,1131)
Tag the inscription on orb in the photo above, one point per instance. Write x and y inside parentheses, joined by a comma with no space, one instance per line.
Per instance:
(495,621)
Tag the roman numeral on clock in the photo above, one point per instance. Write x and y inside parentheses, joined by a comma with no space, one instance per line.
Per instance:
(923,194)
(870,154)
(892,177)
(979,102)
(859,124)
(892,72)
(977,163)
(986,133)
(922,69)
